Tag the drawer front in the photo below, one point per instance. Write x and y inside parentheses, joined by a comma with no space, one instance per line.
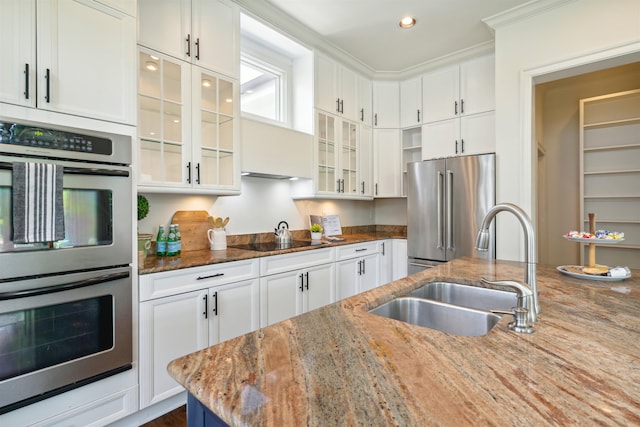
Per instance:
(294,261)
(356,250)
(167,283)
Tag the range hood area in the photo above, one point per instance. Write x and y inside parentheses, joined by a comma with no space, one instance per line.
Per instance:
(276,152)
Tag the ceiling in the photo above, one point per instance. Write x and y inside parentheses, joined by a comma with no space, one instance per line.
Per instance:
(368,30)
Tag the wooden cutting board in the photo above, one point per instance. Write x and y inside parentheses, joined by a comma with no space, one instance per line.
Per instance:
(193,229)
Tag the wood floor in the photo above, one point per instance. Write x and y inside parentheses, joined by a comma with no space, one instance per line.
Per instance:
(175,418)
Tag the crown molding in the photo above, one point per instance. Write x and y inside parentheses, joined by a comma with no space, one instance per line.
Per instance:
(524,11)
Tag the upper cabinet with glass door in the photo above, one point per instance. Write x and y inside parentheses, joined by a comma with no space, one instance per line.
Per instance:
(188,128)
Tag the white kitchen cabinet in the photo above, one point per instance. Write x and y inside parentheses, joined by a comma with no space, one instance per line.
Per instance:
(458,90)
(400,260)
(188,128)
(341,165)
(411,102)
(288,294)
(411,151)
(182,311)
(365,162)
(202,32)
(365,101)
(386,105)
(472,134)
(385,249)
(292,284)
(79,61)
(357,268)
(336,88)
(387,168)
(170,327)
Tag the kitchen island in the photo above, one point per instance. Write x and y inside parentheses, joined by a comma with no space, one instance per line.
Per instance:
(340,365)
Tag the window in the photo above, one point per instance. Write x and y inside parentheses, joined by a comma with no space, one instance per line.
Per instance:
(261,89)
(276,76)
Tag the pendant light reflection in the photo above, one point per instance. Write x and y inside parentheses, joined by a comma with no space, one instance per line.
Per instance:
(151,66)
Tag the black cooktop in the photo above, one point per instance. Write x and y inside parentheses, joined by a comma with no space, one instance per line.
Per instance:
(272,246)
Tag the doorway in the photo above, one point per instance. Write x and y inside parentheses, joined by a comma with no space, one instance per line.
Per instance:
(557,134)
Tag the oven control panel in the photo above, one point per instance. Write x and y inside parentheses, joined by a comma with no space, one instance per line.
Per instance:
(30,136)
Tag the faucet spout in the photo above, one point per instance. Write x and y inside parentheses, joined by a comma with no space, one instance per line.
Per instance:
(482,244)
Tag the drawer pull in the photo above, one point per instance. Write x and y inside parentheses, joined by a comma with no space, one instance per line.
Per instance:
(361,250)
(209,277)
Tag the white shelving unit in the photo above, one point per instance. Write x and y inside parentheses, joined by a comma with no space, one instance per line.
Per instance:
(411,151)
(610,172)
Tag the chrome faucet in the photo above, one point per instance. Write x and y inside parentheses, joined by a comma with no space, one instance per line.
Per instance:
(482,244)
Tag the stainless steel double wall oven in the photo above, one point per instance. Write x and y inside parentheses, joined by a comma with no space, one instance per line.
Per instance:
(65,306)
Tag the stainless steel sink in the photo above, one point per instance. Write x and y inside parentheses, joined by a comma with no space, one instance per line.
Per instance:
(437,315)
(467,296)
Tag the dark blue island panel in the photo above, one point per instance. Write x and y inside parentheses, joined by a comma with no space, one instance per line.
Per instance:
(199,415)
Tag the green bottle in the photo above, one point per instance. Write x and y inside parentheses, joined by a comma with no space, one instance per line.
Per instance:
(161,242)
(178,240)
(172,250)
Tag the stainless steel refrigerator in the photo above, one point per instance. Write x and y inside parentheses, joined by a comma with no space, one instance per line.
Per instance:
(446,202)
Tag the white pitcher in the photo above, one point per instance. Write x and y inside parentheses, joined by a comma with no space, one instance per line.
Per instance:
(217,238)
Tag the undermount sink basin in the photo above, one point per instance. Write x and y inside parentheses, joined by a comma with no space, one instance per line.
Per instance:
(467,296)
(437,315)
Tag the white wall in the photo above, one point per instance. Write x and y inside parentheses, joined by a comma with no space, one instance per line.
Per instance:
(260,206)
(571,35)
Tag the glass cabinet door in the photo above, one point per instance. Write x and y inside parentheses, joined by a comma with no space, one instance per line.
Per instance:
(163,119)
(349,184)
(326,145)
(213,128)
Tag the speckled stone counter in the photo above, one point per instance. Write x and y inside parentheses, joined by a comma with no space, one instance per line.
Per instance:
(340,365)
(153,264)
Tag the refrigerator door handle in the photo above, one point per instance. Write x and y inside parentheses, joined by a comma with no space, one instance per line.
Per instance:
(440,207)
(450,210)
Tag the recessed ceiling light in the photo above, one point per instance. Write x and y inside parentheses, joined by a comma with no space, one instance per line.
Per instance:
(407,22)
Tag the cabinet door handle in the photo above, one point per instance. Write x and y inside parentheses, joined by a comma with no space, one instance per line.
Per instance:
(342,106)
(189,173)
(455,108)
(198,48)
(456,146)
(197,173)
(47,77)
(375,119)
(26,81)
(188,45)
(376,188)
(418,116)
(359,267)
(362,115)
(206,307)
(215,303)
(306,275)
(462,146)
(382,248)
(301,276)
(364,266)
(362,191)
(462,106)
(337,185)
(210,277)
(337,105)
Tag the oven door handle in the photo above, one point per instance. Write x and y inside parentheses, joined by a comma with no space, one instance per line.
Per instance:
(80,171)
(63,287)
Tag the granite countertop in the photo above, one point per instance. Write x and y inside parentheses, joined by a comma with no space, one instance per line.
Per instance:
(340,365)
(153,264)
